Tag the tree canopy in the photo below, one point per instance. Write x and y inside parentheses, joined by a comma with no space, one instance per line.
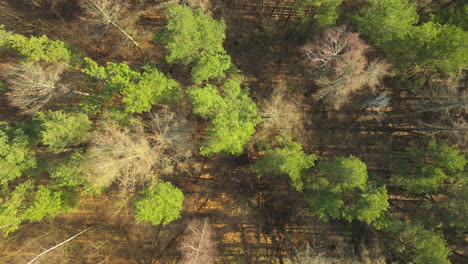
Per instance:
(158,204)
(16,154)
(232,115)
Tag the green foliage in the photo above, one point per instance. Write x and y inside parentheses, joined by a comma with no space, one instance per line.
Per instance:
(287,159)
(159,204)
(59,129)
(152,88)
(429,46)
(190,34)
(370,205)
(387,20)
(424,246)
(341,190)
(435,46)
(16,155)
(232,113)
(456,15)
(13,205)
(35,48)
(344,173)
(327,10)
(140,90)
(210,66)
(47,203)
(70,172)
(425,169)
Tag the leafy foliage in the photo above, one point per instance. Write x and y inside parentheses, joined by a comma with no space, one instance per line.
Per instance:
(190,34)
(387,20)
(159,204)
(424,246)
(193,37)
(232,113)
(140,90)
(47,203)
(425,169)
(16,155)
(286,159)
(13,205)
(341,190)
(210,66)
(59,129)
(36,48)
(327,10)
(70,172)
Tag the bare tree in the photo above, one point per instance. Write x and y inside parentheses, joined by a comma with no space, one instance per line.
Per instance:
(341,66)
(376,103)
(282,113)
(323,51)
(107,14)
(134,156)
(32,85)
(197,245)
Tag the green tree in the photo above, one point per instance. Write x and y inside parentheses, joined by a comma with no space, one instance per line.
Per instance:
(435,46)
(387,21)
(210,66)
(192,37)
(190,34)
(424,169)
(47,203)
(16,154)
(35,48)
(288,158)
(140,90)
(12,206)
(326,10)
(59,129)
(422,245)
(342,190)
(232,114)
(160,203)
(70,172)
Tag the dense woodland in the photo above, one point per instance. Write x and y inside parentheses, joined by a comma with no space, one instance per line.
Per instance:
(233,131)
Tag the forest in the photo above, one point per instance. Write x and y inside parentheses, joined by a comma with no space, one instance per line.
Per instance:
(234,131)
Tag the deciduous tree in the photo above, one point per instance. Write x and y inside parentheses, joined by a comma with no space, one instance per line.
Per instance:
(16,154)
(197,244)
(232,114)
(59,129)
(158,204)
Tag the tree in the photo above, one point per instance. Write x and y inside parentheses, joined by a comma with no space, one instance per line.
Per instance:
(282,113)
(434,46)
(35,49)
(70,172)
(140,90)
(158,204)
(132,157)
(197,245)
(424,246)
(16,154)
(287,158)
(108,13)
(387,21)
(31,86)
(12,206)
(342,190)
(47,203)
(338,60)
(59,129)
(190,34)
(326,10)
(210,66)
(192,37)
(232,114)
(423,170)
